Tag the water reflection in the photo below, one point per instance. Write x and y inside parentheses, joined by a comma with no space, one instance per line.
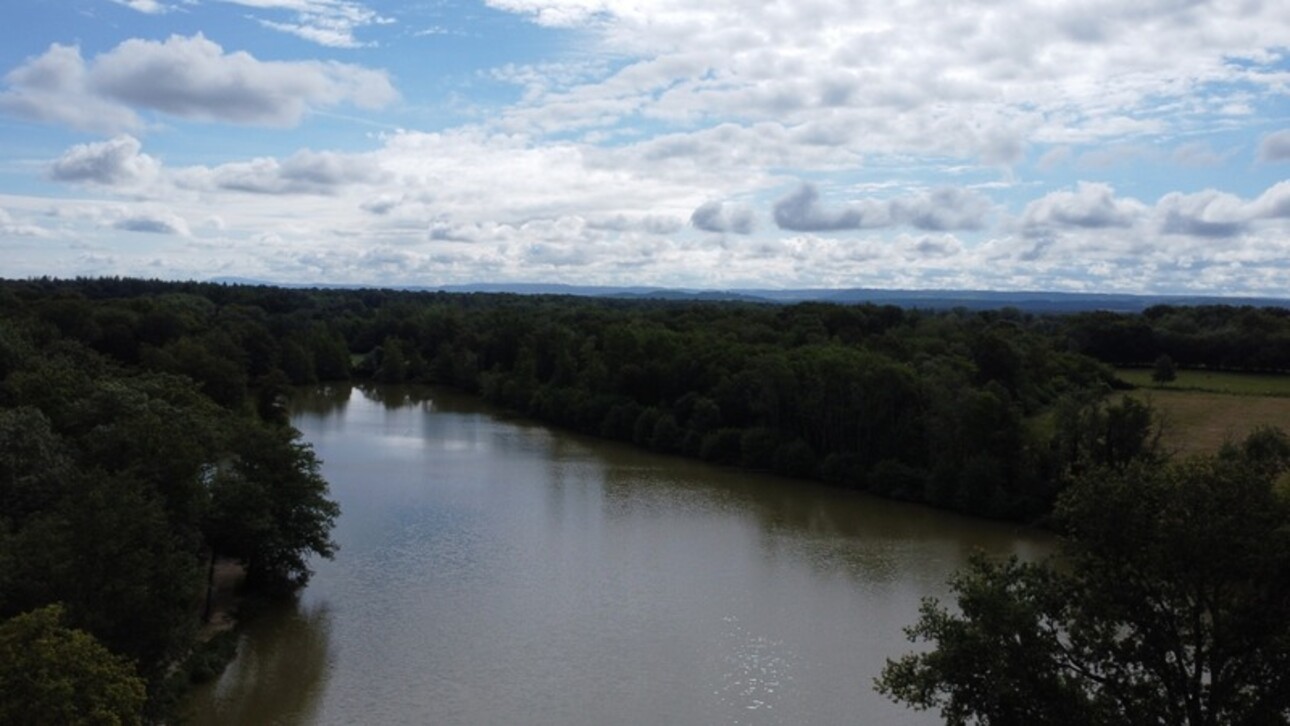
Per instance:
(495,571)
(322,401)
(279,674)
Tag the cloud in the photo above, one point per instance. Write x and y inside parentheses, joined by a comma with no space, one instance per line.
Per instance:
(1273,203)
(116,162)
(722,217)
(10,228)
(1205,214)
(800,212)
(943,209)
(305,172)
(148,7)
(152,221)
(185,77)
(940,209)
(1199,154)
(55,87)
(911,78)
(1275,146)
(1090,206)
(935,247)
(326,22)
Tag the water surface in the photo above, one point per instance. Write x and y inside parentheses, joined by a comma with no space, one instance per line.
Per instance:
(493,571)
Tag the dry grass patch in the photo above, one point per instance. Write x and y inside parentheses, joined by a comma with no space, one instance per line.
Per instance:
(1197,422)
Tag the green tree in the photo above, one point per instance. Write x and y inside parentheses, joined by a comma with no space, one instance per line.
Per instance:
(1164,370)
(52,674)
(1170,605)
(269,507)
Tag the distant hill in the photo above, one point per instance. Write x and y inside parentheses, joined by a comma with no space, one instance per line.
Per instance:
(1035,302)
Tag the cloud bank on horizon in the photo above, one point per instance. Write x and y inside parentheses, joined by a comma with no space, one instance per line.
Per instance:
(1077,145)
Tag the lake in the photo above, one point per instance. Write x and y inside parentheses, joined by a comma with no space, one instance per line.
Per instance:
(495,571)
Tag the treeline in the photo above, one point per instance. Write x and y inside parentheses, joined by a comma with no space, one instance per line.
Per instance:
(980,412)
(1216,337)
(983,412)
(121,481)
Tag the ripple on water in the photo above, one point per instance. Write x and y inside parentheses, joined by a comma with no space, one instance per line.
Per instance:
(757,672)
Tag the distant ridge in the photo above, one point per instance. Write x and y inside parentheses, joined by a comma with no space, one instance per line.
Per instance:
(1029,301)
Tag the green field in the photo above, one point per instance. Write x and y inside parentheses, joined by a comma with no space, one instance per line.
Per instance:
(1202,409)
(1242,384)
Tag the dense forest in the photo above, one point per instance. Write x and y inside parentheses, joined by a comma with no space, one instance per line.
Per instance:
(143,434)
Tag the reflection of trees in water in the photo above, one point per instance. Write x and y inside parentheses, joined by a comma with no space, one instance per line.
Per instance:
(278,675)
(326,400)
(396,396)
(830,528)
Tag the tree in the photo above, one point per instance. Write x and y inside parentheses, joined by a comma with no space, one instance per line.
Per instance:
(1164,370)
(52,674)
(269,507)
(1170,605)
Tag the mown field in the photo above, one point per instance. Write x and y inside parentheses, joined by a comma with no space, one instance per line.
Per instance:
(1241,384)
(1201,409)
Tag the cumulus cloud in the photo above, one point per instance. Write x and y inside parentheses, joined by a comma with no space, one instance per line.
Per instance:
(1089,206)
(938,210)
(904,78)
(800,211)
(117,162)
(716,216)
(326,22)
(932,248)
(1275,146)
(1273,203)
(55,87)
(1206,214)
(943,209)
(305,172)
(152,221)
(186,77)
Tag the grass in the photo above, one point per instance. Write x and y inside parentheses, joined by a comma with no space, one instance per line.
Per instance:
(1199,422)
(1240,384)
(1203,409)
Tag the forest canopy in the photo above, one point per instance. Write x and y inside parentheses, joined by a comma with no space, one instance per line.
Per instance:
(143,431)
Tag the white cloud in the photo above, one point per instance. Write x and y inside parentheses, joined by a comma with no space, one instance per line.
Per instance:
(1090,206)
(116,162)
(186,77)
(800,211)
(148,7)
(305,172)
(977,82)
(941,209)
(1205,214)
(55,87)
(716,216)
(11,228)
(326,22)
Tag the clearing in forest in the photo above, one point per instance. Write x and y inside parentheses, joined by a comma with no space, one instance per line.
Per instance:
(1202,409)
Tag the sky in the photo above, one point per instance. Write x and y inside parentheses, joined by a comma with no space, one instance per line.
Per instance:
(1075,145)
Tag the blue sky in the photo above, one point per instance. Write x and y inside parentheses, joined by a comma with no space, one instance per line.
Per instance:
(1010,144)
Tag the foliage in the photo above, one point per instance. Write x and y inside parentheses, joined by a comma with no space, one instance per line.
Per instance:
(1169,605)
(52,674)
(108,470)
(269,507)
(1164,369)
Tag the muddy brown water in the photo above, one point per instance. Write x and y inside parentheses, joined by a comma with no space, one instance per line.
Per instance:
(495,571)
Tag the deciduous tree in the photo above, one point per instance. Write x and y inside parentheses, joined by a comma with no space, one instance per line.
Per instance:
(1170,604)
